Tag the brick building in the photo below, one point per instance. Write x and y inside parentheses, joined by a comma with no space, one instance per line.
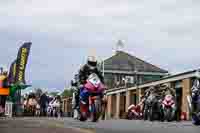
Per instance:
(123,70)
(182,84)
(67,106)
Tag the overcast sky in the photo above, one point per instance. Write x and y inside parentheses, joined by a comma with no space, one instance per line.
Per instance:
(164,33)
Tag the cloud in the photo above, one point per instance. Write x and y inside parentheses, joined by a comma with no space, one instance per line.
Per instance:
(164,33)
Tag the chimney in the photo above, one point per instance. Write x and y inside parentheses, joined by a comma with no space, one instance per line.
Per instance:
(119,46)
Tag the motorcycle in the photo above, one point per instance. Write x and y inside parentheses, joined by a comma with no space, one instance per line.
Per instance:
(91,99)
(134,112)
(54,109)
(168,106)
(152,108)
(194,103)
(49,111)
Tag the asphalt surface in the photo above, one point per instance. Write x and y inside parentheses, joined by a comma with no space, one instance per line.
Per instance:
(34,125)
(124,126)
(133,126)
(68,125)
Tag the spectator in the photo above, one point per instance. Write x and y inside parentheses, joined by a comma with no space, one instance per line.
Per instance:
(43,104)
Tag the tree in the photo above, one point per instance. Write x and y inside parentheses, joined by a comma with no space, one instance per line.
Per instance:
(67,93)
(53,93)
(38,93)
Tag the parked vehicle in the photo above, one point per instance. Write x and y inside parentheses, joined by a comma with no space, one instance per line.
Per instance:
(91,99)
(194,103)
(49,111)
(134,112)
(169,108)
(152,108)
(54,108)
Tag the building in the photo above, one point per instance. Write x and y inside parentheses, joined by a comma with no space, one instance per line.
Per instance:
(124,67)
(182,84)
(67,106)
(123,70)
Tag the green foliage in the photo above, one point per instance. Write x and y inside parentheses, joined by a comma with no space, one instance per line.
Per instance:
(53,93)
(38,92)
(67,93)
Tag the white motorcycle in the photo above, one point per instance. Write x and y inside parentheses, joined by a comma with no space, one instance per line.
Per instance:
(54,108)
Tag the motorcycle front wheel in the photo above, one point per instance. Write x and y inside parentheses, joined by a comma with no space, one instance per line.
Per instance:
(151,114)
(97,113)
(168,114)
(145,114)
(83,116)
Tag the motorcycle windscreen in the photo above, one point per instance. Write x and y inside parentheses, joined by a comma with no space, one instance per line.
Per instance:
(92,89)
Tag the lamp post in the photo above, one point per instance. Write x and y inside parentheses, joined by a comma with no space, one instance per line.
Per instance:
(137,82)
(102,66)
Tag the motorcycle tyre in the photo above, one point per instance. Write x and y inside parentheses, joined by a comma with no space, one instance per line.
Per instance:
(168,114)
(195,120)
(145,114)
(130,116)
(96,115)
(83,117)
(151,114)
(162,115)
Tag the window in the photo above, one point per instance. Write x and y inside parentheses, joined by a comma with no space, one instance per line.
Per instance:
(130,79)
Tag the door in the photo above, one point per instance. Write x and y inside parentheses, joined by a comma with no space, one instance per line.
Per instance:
(179,102)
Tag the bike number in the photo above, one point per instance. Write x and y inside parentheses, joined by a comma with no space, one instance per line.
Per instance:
(94,80)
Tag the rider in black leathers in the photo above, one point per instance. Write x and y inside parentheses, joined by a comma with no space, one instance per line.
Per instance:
(75,85)
(89,68)
(84,72)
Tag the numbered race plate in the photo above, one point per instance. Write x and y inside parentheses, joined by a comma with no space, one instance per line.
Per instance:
(94,79)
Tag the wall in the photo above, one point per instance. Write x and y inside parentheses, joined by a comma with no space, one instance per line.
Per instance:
(118,102)
(111,79)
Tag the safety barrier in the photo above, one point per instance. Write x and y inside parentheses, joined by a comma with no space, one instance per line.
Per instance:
(8,109)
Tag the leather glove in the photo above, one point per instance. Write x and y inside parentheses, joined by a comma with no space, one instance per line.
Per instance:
(81,86)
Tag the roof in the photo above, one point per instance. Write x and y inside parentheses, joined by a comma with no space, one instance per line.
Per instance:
(167,79)
(123,61)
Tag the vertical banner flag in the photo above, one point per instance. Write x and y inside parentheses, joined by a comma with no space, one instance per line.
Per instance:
(12,72)
(21,62)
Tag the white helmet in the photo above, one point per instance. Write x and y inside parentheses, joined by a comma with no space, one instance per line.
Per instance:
(92,61)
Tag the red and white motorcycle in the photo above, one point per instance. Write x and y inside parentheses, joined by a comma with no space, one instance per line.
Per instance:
(91,99)
(169,108)
(135,112)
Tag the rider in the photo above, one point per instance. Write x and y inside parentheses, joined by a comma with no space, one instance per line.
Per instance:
(75,87)
(86,70)
(89,68)
(195,102)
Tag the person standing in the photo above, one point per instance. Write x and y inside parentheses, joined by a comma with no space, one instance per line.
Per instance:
(4,90)
(43,104)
